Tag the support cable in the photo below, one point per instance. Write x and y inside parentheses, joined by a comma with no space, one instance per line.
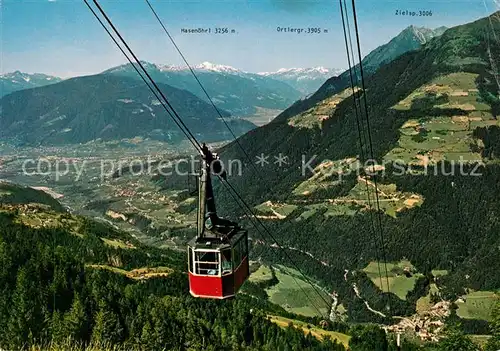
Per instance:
(186,130)
(179,122)
(371,143)
(357,104)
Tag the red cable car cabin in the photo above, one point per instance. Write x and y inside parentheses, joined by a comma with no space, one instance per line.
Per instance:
(218,256)
(217,269)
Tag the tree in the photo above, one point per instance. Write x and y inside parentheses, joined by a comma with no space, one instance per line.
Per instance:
(455,340)
(368,338)
(57,329)
(494,342)
(75,321)
(22,319)
(107,327)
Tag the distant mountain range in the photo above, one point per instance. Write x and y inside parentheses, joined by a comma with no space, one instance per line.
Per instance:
(233,90)
(411,38)
(305,80)
(240,92)
(204,66)
(236,92)
(17,80)
(108,107)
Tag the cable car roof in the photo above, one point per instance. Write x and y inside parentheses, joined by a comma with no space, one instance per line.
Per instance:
(213,240)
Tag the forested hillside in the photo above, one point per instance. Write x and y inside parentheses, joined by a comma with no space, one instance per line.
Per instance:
(14,194)
(432,115)
(106,107)
(63,276)
(67,282)
(375,208)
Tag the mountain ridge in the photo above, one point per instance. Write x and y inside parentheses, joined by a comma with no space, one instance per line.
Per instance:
(410,38)
(17,80)
(230,89)
(371,62)
(306,80)
(82,109)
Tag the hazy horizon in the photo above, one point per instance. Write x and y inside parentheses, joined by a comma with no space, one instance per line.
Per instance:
(62,38)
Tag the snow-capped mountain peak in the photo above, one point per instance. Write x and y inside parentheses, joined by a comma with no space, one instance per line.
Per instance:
(27,77)
(17,80)
(170,68)
(208,66)
(319,70)
(11,75)
(322,69)
(204,66)
(305,80)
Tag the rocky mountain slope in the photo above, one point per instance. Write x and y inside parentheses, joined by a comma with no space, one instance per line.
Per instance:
(411,38)
(235,91)
(305,80)
(17,80)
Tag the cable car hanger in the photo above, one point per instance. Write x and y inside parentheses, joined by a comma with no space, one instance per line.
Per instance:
(218,255)
(210,163)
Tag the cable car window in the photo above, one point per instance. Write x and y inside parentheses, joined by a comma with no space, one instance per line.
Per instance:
(207,262)
(244,244)
(240,251)
(207,256)
(227,264)
(237,254)
(208,223)
(190,260)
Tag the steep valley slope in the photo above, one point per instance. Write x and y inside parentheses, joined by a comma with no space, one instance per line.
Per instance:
(433,118)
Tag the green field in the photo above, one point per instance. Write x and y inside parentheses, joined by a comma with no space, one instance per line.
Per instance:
(340,210)
(330,209)
(278,210)
(313,117)
(315,331)
(477,305)
(481,340)
(261,275)
(296,295)
(437,138)
(399,284)
(311,210)
(439,272)
(359,198)
(117,243)
(137,274)
(424,303)
(391,201)
(326,175)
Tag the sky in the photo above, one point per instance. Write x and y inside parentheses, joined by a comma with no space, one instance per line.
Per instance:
(63,38)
